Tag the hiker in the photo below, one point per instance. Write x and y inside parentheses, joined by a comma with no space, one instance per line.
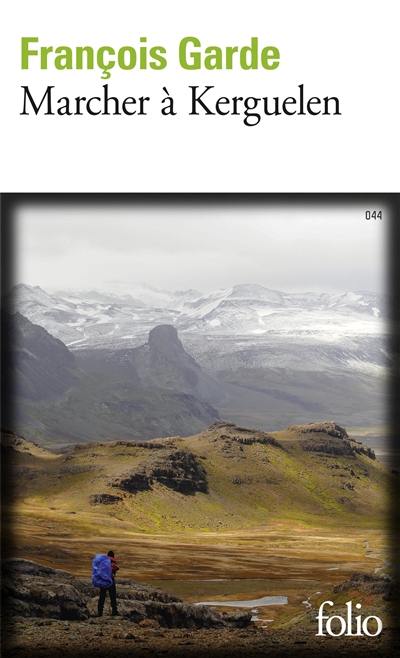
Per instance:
(104,569)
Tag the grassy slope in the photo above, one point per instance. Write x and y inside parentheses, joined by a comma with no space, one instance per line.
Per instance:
(278,485)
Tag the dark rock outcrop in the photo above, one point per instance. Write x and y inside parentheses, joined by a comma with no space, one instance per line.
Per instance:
(182,615)
(182,472)
(104,499)
(179,470)
(363,450)
(366,582)
(33,590)
(129,590)
(328,446)
(150,445)
(243,436)
(265,440)
(335,442)
(326,427)
(133,482)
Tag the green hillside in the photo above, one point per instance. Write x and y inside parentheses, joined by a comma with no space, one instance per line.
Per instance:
(225,478)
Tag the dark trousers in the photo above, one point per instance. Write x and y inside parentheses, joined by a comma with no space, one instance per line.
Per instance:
(112,591)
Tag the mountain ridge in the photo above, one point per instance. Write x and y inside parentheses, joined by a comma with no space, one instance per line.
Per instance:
(156,389)
(96,319)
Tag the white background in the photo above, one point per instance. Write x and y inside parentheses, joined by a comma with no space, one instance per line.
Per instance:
(344,48)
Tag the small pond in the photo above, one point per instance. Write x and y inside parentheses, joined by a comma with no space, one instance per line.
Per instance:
(248,603)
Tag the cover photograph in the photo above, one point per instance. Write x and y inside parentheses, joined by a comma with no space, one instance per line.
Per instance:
(199,415)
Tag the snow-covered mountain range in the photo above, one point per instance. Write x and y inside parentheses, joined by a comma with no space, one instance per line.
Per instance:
(96,319)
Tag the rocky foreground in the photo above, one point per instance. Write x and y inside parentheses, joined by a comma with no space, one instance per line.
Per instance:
(50,612)
(34,590)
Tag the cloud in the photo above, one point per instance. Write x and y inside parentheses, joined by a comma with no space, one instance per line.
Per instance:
(200,246)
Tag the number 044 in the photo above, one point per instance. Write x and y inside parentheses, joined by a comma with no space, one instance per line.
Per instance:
(373,214)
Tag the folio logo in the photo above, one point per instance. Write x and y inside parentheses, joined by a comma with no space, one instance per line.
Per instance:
(349,626)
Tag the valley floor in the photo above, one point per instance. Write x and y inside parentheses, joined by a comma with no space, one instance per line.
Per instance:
(299,562)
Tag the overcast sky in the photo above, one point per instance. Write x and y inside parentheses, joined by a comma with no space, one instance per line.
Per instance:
(204,247)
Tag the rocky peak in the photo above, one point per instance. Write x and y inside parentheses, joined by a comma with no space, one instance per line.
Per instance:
(42,365)
(164,362)
(163,338)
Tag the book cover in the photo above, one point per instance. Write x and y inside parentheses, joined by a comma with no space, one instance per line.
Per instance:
(199,234)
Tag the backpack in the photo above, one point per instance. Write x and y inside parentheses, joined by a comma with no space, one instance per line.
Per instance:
(101,571)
